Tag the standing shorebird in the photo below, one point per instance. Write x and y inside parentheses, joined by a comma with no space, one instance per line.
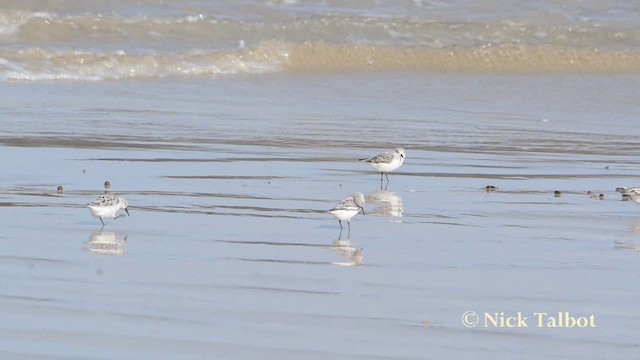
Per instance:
(633,192)
(386,162)
(347,208)
(107,206)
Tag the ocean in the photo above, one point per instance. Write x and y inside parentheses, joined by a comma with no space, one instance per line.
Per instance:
(115,40)
(232,127)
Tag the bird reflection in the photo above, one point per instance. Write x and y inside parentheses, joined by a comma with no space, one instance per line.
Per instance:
(106,243)
(389,203)
(344,249)
(635,227)
(626,246)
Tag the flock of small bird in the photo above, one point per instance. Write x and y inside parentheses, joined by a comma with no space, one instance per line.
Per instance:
(350,206)
(107,205)
(631,193)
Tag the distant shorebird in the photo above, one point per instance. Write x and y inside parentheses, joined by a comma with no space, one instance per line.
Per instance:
(107,206)
(348,208)
(107,187)
(386,162)
(633,192)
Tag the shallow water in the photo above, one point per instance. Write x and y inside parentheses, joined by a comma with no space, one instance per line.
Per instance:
(229,252)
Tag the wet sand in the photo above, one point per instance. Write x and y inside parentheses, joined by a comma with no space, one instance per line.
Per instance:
(229,251)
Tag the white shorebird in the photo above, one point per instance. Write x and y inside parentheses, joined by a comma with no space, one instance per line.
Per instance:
(107,205)
(633,192)
(347,208)
(386,162)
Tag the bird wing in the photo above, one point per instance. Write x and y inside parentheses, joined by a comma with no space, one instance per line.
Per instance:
(384,158)
(105,200)
(626,191)
(347,204)
(634,191)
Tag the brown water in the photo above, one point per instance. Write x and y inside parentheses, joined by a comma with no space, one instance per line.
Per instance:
(229,252)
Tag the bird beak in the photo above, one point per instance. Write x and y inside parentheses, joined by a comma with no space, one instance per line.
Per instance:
(127,210)
(362,210)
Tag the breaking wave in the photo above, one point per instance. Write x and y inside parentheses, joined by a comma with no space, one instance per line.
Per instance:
(97,45)
(270,57)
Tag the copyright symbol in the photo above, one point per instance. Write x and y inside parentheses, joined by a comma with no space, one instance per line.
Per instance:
(470,319)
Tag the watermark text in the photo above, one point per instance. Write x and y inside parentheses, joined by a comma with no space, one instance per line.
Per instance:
(560,319)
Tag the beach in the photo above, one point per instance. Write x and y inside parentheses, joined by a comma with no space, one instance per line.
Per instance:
(229,251)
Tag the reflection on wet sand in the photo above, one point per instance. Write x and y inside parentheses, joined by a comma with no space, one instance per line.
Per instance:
(622,245)
(389,203)
(635,227)
(627,246)
(345,249)
(106,243)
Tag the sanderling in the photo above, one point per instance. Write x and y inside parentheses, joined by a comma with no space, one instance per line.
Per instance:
(107,187)
(625,190)
(633,192)
(348,208)
(107,205)
(386,162)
